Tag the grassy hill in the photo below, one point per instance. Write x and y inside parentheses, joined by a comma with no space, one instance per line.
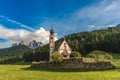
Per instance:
(13,54)
(104,54)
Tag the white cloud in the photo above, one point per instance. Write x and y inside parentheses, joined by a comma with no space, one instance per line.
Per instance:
(41,35)
(96,27)
(91,26)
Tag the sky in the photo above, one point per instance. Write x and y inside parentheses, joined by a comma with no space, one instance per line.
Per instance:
(29,20)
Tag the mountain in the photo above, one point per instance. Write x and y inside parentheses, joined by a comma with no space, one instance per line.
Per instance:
(84,42)
(13,54)
(34,44)
(118,25)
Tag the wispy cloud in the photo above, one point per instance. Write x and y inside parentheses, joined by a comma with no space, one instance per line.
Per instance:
(96,27)
(18,23)
(99,15)
(103,13)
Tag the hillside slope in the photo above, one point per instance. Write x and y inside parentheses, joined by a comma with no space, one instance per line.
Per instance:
(13,54)
(20,49)
(105,40)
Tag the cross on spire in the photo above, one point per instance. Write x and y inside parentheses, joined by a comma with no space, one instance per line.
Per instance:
(51,27)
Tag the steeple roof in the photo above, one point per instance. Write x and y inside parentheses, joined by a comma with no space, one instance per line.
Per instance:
(52,30)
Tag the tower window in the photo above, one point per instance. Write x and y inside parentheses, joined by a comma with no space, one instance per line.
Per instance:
(51,37)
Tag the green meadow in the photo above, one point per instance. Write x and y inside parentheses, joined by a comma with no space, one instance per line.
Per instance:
(24,72)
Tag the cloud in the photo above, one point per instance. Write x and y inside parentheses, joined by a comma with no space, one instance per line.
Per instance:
(41,35)
(18,23)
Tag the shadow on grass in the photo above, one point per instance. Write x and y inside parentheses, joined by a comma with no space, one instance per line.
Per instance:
(67,70)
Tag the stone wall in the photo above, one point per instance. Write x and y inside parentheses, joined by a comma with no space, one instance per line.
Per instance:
(74,64)
(40,65)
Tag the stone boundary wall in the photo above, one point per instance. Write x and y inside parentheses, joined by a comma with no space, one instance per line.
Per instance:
(74,64)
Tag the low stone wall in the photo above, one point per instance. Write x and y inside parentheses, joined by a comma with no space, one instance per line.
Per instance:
(40,65)
(74,64)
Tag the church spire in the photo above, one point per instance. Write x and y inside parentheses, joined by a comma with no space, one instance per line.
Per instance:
(51,26)
(51,31)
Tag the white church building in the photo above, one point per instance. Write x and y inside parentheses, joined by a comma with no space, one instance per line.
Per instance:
(62,47)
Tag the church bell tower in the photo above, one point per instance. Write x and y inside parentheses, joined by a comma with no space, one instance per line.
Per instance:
(51,42)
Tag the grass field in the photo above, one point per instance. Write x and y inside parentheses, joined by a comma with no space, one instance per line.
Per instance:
(23,72)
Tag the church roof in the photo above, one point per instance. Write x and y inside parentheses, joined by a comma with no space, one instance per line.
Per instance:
(57,45)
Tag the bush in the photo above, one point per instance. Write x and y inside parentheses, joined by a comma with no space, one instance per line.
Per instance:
(75,54)
(108,56)
(92,56)
(100,55)
(56,57)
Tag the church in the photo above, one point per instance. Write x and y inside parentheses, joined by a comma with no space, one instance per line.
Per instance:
(62,48)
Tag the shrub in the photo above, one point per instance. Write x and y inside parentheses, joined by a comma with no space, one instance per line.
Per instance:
(56,57)
(92,56)
(108,56)
(100,55)
(75,54)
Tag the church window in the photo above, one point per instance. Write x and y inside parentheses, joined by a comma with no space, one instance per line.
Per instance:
(65,45)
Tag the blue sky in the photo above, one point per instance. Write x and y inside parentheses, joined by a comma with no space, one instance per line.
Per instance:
(31,19)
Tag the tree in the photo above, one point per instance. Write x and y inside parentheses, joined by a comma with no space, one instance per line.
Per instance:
(56,56)
(75,54)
